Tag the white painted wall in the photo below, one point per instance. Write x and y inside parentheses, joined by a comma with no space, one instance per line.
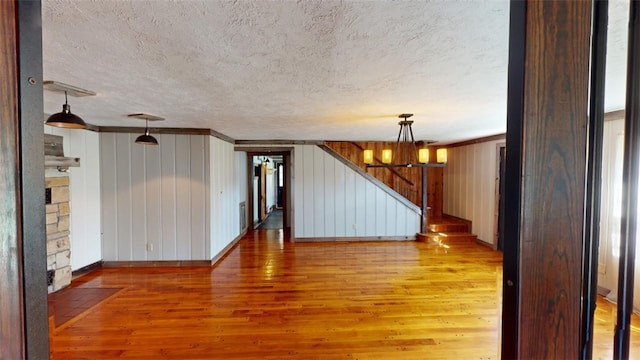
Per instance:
(155,199)
(271,185)
(84,193)
(228,176)
(332,200)
(469,187)
(241,182)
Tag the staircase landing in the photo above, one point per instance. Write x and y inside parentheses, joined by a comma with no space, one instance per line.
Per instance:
(447,230)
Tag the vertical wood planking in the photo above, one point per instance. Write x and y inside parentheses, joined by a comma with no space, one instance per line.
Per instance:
(381,213)
(157,196)
(183,196)
(298,191)
(123,197)
(108,176)
(198,199)
(360,206)
(469,183)
(153,195)
(224,194)
(84,195)
(138,195)
(340,208)
(329,199)
(168,243)
(338,202)
(318,192)
(350,203)
(307,181)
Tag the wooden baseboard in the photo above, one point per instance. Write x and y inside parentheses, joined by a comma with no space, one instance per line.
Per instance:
(469,222)
(163,263)
(227,249)
(86,269)
(355,239)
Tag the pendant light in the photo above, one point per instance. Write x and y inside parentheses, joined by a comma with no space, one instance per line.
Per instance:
(66,119)
(408,153)
(146,138)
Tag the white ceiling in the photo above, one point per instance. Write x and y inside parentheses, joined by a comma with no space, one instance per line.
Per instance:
(294,70)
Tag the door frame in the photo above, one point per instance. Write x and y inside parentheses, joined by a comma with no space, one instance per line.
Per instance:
(498,215)
(286,153)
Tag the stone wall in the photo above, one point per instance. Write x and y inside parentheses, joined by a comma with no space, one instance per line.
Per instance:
(58,245)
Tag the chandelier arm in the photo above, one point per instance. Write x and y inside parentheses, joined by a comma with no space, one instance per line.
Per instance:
(413,143)
(393,156)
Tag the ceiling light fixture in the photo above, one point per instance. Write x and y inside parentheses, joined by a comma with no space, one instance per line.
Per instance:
(409,156)
(146,138)
(406,151)
(66,119)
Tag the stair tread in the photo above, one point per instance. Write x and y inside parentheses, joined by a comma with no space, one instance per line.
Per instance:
(449,234)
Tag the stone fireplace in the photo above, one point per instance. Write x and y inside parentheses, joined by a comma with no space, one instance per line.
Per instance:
(58,210)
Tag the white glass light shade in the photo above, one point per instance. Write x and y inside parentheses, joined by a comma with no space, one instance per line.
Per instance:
(423,156)
(386,156)
(441,155)
(368,156)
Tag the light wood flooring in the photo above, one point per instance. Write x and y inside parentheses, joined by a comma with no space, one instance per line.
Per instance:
(271,299)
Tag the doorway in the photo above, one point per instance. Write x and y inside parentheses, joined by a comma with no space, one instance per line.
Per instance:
(269,190)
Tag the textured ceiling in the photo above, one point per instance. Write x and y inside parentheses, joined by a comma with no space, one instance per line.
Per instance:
(291,70)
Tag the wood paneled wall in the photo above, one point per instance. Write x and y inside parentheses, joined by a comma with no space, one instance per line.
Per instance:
(332,200)
(470,186)
(227,190)
(406,182)
(155,199)
(84,193)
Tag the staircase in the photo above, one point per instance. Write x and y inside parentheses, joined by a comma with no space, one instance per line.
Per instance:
(448,230)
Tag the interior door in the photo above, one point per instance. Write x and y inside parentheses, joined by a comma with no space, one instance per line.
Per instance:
(263,192)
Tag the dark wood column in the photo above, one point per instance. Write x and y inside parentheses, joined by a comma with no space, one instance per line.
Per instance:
(546,157)
(23,288)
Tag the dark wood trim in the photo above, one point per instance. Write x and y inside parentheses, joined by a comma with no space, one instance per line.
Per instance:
(287,153)
(12,317)
(263,150)
(512,192)
(594,175)
(86,270)
(355,239)
(227,249)
(548,146)
(161,130)
(630,188)
(166,263)
(32,207)
(614,115)
(474,141)
(279,142)
(23,284)
(153,130)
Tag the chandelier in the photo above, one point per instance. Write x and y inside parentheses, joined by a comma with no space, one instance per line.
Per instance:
(406,152)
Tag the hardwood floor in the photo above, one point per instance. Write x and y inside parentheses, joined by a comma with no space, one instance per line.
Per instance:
(271,299)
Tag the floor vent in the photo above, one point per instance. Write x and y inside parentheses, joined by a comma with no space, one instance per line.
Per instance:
(243,216)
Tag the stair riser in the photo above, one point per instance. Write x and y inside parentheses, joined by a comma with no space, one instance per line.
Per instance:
(449,228)
(447,239)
